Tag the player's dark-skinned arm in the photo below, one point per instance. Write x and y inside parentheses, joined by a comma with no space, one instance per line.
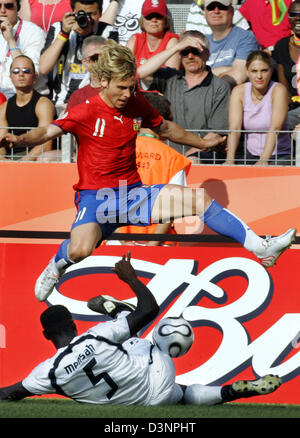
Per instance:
(34,137)
(171,131)
(147,307)
(14,392)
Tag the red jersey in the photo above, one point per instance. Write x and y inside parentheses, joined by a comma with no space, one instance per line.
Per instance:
(44,14)
(259,14)
(81,94)
(141,49)
(106,139)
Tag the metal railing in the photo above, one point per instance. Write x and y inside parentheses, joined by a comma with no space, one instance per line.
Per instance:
(66,149)
(241,156)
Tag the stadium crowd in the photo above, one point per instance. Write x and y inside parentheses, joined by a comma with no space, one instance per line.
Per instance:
(200,71)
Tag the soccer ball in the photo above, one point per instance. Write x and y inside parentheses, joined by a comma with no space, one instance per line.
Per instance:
(173,336)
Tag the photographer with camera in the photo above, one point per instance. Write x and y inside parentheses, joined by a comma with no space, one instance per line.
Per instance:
(61,57)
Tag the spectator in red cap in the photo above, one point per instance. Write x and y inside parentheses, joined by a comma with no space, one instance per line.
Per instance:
(156,35)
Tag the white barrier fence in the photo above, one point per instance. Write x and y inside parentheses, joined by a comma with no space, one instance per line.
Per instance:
(241,158)
(65,150)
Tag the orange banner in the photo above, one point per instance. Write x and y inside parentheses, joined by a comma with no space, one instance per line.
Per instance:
(39,196)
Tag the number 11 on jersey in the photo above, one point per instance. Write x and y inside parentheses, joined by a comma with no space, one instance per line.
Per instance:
(99,128)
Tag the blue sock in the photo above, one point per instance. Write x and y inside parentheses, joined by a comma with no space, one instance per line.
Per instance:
(222,221)
(62,259)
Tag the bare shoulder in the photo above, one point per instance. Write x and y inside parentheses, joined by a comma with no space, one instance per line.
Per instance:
(237,92)
(279,89)
(44,100)
(45,106)
(172,42)
(131,41)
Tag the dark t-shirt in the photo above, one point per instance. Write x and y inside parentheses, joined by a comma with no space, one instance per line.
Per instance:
(22,117)
(281,54)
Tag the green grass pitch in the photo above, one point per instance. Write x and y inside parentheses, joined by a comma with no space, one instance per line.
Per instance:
(60,408)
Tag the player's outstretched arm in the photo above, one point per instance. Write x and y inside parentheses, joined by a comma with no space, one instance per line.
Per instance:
(172,131)
(147,307)
(14,392)
(34,137)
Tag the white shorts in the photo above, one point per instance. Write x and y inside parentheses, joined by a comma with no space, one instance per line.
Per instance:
(162,380)
(163,389)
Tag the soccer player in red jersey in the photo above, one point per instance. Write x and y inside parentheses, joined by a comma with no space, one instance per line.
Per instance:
(109,192)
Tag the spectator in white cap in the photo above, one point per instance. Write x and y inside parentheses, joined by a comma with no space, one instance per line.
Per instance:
(155,36)
(229,44)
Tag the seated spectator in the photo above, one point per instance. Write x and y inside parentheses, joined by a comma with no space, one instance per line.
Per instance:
(44,13)
(229,44)
(155,36)
(268,20)
(127,19)
(259,105)
(286,55)
(26,109)
(196,19)
(61,54)
(90,50)
(199,99)
(157,163)
(18,37)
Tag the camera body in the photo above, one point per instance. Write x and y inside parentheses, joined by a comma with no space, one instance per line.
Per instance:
(83,19)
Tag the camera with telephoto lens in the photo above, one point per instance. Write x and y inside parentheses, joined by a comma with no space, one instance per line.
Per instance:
(83,19)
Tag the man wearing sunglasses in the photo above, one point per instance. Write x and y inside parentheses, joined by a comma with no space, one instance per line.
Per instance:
(17,37)
(199,99)
(90,86)
(27,108)
(229,44)
(196,19)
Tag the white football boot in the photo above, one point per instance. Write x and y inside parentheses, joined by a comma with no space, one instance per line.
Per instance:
(272,247)
(47,280)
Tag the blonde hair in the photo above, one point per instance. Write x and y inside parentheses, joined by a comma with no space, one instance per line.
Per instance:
(116,62)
